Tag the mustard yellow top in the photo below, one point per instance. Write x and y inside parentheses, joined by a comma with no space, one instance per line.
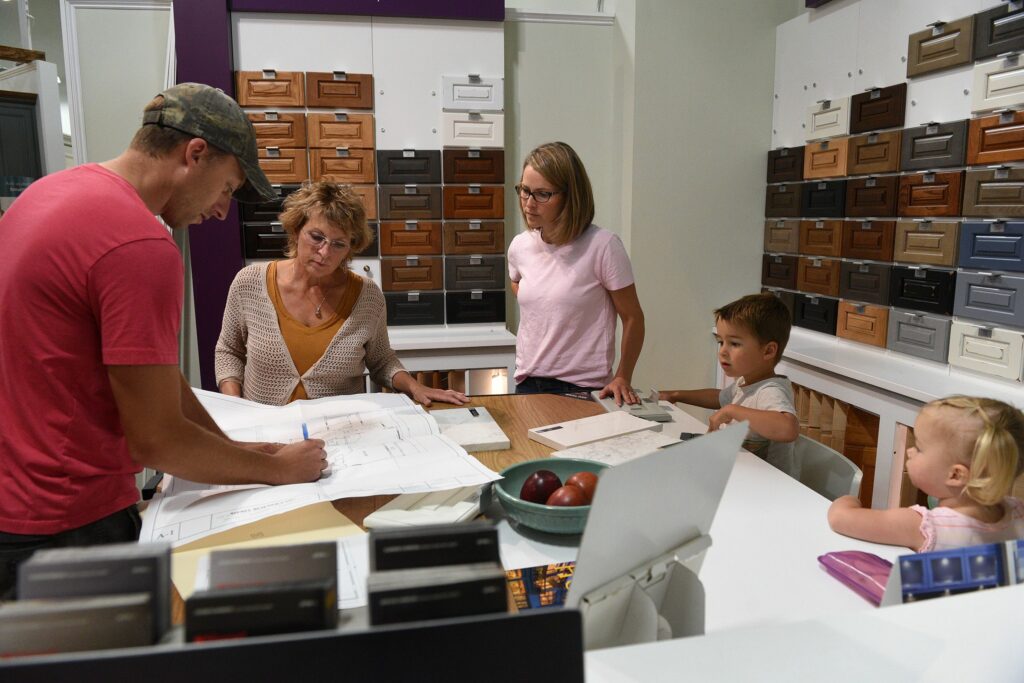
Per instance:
(306,345)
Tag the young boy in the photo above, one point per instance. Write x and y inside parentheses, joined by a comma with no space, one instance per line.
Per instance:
(751,334)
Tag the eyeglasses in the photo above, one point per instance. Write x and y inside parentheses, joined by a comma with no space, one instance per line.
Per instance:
(539,196)
(318,240)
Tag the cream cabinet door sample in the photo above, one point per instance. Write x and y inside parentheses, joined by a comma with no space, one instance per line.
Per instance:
(473,92)
(998,84)
(472,129)
(828,118)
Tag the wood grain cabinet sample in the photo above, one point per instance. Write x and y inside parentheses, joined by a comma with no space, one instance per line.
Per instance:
(782,237)
(816,313)
(863,323)
(402,202)
(917,334)
(339,90)
(994,193)
(821,238)
(412,273)
(415,308)
(475,307)
(343,165)
(828,118)
(997,31)
(786,165)
(992,246)
(473,92)
(930,242)
(940,47)
(989,350)
(878,108)
(874,196)
(818,276)
(274,129)
(474,201)
(404,166)
(922,289)
(823,199)
(368,194)
(869,240)
(283,165)
(269,88)
(778,271)
(785,297)
(990,297)
(402,238)
(474,272)
(463,166)
(874,153)
(826,158)
(867,282)
(933,145)
(930,194)
(783,200)
(340,129)
(264,240)
(472,129)
(998,84)
(474,237)
(997,138)
(267,212)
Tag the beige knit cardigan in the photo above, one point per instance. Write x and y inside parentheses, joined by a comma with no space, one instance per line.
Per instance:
(252,351)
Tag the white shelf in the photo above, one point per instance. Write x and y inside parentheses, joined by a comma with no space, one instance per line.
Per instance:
(898,373)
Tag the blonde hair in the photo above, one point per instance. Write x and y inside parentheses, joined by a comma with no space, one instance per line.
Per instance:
(561,166)
(338,204)
(997,451)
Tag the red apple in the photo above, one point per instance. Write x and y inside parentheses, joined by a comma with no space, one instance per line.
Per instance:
(568,496)
(539,485)
(586,481)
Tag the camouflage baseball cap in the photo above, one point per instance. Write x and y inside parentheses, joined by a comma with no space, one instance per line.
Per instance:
(208,113)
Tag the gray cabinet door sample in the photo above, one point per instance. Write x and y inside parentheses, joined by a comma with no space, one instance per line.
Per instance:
(936,145)
(997,31)
(917,334)
(992,246)
(990,297)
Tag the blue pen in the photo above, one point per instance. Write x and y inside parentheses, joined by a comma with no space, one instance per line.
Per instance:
(305,431)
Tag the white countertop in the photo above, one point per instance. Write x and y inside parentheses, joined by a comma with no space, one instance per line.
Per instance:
(418,337)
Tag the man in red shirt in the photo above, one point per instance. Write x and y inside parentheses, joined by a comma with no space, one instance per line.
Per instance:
(90,303)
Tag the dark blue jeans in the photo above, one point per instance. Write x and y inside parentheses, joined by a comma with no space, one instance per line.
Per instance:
(547,385)
(120,527)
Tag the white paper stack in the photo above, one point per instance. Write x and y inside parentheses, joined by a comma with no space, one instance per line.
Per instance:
(620,449)
(589,429)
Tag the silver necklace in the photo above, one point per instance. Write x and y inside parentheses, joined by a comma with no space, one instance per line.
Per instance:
(319,306)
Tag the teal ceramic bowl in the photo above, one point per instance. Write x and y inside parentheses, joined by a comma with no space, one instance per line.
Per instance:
(552,519)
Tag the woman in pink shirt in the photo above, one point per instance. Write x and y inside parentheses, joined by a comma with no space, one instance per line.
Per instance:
(572,280)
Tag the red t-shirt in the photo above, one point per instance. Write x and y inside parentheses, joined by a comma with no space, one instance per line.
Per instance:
(88,278)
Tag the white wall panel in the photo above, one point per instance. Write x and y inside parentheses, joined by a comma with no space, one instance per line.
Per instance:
(301,42)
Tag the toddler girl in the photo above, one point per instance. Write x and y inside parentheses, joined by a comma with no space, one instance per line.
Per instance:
(968,453)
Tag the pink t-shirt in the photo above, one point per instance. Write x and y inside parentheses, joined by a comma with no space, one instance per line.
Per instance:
(90,278)
(566,316)
(945,528)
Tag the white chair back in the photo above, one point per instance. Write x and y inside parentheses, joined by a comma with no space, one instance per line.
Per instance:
(825,470)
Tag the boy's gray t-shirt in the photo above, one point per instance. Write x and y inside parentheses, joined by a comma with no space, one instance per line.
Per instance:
(774,393)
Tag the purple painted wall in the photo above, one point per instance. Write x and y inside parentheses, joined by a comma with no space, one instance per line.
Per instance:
(482,10)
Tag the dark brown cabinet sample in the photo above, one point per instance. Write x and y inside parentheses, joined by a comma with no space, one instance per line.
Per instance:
(823,199)
(862,323)
(816,313)
(267,211)
(870,240)
(786,165)
(471,201)
(872,196)
(339,90)
(264,240)
(930,194)
(412,273)
(931,242)
(820,276)
(340,129)
(933,145)
(278,130)
(782,237)
(463,166)
(402,238)
(783,200)
(826,158)
(922,289)
(878,108)
(874,153)
(998,30)
(401,202)
(415,308)
(778,271)
(995,139)
(994,193)
(340,165)
(283,165)
(404,166)
(269,88)
(821,238)
(940,47)
(785,297)
(475,307)
(474,237)
(867,282)
(474,272)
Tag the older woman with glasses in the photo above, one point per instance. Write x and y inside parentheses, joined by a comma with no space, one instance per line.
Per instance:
(307,326)
(573,280)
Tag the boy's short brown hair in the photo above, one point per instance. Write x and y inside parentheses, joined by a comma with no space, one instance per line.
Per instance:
(764,315)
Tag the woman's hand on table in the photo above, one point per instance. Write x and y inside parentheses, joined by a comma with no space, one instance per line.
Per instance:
(427,396)
(620,390)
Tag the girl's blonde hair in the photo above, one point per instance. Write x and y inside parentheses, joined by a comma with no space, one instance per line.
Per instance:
(997,455)
(338,204)
(560,166)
